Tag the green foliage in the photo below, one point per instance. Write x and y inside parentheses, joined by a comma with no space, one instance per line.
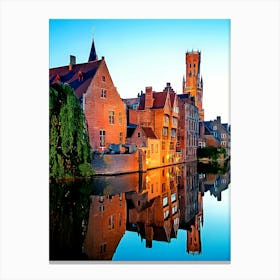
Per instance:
(211,153)
(85,169)
(69,140)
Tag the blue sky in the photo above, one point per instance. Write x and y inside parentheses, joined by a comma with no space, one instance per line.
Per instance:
(147,52)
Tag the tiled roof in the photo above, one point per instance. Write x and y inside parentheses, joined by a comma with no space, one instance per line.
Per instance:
(71,77)
(149,132)
(207,130)
(159,100)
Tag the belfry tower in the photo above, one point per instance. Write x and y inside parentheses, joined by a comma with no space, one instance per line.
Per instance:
(193,84)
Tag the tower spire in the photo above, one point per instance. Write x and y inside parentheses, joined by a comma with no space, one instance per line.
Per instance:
(92,55)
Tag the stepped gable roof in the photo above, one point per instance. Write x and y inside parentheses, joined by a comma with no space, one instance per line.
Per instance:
(72,77)
(149,132)
(171,91)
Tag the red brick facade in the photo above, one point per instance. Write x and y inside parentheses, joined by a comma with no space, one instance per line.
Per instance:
(188,129)
(194,83)
(160,112)
(105,111)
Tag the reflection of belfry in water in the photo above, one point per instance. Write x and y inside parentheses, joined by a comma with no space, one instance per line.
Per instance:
(191,207)
(193,234)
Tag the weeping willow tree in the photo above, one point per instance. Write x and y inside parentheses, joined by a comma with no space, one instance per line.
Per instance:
(70,151)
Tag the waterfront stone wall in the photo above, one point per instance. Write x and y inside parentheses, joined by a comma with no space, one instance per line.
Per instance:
(118,163)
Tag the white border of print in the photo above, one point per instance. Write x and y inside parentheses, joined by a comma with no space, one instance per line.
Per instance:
(255,138)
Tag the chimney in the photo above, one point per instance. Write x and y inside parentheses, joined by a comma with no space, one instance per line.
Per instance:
(72,62)
(149,100)
(218,119)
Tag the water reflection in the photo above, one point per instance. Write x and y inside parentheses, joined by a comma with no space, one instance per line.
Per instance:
(88,219)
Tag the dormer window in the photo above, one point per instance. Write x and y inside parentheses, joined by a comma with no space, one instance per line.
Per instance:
(103,78)
(80,76)
(57,79)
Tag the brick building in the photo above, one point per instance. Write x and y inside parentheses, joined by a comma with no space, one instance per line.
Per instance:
(145,138)
(193,84)
(160,112)
(217,134)
(188,129)
(104,109)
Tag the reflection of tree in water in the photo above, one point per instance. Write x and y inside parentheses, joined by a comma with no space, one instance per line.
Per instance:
(214,167)
(69,209)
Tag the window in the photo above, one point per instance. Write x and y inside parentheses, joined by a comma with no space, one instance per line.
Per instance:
(135,106)
(111,117)
(223,143)
(139,135)
(164,131)
(166,214)
(163,187)
(103,248)
(103,78)
(190,65)
(223,135)
(174,209)
(120,117)
(111,224)
(194,65)
(103,93)
(174,120)
(163,145)
(152,148)
(173,132)
(164,201)
(171,146)
(214,127)
(156,148)
(166,119)
(120,219)
(173,197)
(102,138)
(121,137)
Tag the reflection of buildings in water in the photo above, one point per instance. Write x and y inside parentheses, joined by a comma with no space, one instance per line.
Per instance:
(191,206)
(155,204)
(216,184)
(188,193)
(106,226)
(193,233)
(153,212)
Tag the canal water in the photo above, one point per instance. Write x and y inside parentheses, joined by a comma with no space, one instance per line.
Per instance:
(175,213)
